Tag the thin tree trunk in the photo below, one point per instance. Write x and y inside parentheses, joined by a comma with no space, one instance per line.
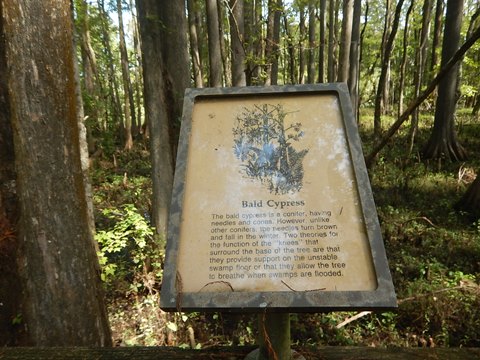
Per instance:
(404,59)
(272,41)
(346,39)
(437,33)
(420,60)
(127,87)
(194,49)
(214,51)
(112,79)
(312,43)
(382,82)
(301,47)
(223,44)
(291,52)
(354,71)
(322,42)
(237,31)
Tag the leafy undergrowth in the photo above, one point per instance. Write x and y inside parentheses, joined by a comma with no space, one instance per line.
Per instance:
(433,252)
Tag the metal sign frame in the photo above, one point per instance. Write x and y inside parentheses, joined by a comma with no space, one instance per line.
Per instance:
(173,296)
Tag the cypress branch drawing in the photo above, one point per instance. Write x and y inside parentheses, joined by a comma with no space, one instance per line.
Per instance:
(264,146)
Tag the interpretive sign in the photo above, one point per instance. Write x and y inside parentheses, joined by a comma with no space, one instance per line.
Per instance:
(272,207)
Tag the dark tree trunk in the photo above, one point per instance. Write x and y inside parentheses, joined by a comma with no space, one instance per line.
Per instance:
(322,42)
(63,303)
(272,42)
(443,142)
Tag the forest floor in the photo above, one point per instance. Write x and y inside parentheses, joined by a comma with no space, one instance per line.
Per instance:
(433,253)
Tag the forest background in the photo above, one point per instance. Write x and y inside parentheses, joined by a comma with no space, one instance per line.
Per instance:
(412,70)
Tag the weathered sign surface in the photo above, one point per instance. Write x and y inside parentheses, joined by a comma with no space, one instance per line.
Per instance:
(272,207)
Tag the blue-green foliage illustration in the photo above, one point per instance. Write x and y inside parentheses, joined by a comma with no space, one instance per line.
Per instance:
(264,145)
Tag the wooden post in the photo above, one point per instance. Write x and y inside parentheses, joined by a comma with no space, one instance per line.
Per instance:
(274,337)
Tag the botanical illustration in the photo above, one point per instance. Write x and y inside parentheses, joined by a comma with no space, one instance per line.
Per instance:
(263,144)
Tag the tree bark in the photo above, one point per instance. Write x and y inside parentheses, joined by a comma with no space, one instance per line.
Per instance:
(214,51)
(345,42)
(354,70)
(237,31)
(437,33)
(63,293)
(194,47)
(403,62)
(301,46)
(443,140)
(112,78)
(163,31)
(312,42)
(272,41)
(322,42)
(128,106)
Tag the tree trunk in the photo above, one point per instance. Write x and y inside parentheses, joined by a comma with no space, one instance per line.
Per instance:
(273,41)
(437,33)
(443,142)
(301,46)
(332,35)
(112,78)
(224,47)
(312,66)
(237,31)
(292,78)
(253,39)
(345,42)
(63,293)
(403,62)
(127,86)
(214,51)
(382,81)
(166,76)
(354,71)
(322,42)
(420,61)
(194,49)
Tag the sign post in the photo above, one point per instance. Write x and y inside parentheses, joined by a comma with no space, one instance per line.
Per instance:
(272,208)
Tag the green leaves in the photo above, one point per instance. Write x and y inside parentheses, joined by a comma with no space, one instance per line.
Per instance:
(127,246)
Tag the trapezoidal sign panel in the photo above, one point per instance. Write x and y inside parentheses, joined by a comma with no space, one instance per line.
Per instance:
(272,207)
